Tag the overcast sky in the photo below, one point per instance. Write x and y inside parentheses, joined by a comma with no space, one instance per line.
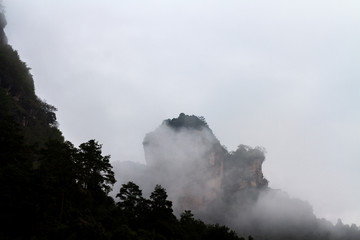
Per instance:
(280,74)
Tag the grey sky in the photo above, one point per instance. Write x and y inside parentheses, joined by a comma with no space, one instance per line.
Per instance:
(279,74)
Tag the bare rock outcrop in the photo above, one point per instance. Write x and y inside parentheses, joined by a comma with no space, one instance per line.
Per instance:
(188,159)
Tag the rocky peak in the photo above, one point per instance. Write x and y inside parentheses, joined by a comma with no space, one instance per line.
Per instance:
(186,153)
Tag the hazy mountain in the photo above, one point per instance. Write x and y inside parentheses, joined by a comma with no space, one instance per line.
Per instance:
(184,155)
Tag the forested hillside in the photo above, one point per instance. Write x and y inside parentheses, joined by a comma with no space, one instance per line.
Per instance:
(51,189)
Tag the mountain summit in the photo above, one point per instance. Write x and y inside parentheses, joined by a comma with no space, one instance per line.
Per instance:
(226,187)
(192,160)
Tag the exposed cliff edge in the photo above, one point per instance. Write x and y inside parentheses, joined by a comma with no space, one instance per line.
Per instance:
(188,155)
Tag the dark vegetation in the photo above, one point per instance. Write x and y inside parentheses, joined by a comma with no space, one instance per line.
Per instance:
(186,121)
(51,189)
(18,101)
(61,192)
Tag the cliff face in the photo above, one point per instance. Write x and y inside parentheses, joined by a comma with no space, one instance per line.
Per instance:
(186,153)
(243,169)
(3,39)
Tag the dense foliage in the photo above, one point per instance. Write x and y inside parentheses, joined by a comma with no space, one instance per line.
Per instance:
(18,100)
(61,192)
(187,121)
(51,189)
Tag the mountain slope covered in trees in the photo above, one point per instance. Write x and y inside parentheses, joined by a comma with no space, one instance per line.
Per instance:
(53,190)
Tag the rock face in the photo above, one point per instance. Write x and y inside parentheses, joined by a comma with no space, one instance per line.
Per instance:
(189,161)
(3,38)
(243,169)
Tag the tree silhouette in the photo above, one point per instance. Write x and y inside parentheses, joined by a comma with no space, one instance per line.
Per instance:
(94,170)
(159,202)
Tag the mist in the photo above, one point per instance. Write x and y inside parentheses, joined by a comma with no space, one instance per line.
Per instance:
(201,175)
(175,159)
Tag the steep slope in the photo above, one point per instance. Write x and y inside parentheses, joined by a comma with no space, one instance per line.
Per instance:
(53,190)
(188,155)
(18,100)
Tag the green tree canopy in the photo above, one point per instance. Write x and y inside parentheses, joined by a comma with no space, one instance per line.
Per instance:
(159,202)
(94,170)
